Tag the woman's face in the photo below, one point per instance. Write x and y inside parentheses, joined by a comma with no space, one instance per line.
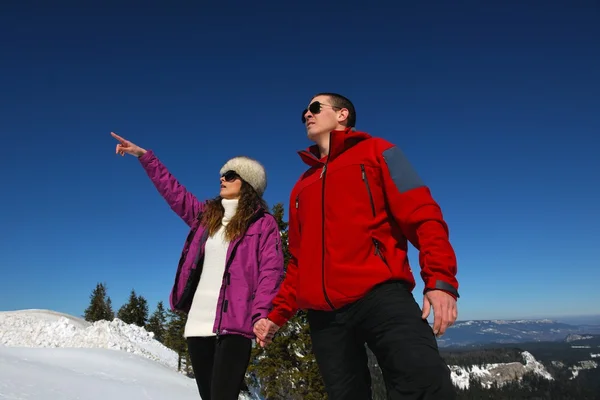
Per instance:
(231,185)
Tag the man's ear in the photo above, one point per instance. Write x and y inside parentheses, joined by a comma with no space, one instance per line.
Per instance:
(343,115)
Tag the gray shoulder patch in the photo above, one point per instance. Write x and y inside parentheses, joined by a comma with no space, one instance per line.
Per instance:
(403,174)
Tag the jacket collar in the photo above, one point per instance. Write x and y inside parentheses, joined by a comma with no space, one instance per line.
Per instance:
(339,141)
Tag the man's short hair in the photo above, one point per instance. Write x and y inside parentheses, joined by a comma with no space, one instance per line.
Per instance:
(339,101)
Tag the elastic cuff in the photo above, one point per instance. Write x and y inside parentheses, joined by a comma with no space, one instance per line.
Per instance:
(256,317)
(144,158)
(442,290)
(444,286)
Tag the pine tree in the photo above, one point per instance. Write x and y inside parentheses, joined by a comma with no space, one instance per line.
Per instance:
(135,311)
(158,322)
(110,314)
(141,312)
(100,305)
(278,212)
(175,340)
(286,369)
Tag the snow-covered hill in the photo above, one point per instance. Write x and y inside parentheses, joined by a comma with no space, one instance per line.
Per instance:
(49,355)
(43,328)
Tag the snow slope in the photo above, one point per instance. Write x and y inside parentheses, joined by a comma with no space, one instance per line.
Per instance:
(87,373)
(53,356)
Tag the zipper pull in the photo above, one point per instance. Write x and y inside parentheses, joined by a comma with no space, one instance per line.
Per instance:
(323,170)
(297,202)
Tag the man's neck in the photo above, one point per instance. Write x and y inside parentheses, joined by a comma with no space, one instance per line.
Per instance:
(322,142)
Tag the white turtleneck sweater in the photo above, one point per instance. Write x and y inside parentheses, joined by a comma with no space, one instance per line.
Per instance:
(203,311)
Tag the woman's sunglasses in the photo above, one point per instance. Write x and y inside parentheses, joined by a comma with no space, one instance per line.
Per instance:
(230,176)
(315,108)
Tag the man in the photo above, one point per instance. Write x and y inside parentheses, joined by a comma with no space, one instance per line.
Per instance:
(351,215)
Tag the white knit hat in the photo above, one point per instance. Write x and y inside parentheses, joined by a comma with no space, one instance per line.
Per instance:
(249,170)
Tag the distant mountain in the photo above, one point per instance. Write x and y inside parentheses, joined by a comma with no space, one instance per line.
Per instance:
(477,332)
(579,319)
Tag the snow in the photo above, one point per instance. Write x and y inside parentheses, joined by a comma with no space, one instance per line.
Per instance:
(582,365)
(86,373)
(50,355)
(460,376)
(534,365)
(497,372)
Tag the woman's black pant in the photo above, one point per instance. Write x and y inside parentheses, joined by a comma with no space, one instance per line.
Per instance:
(219,365)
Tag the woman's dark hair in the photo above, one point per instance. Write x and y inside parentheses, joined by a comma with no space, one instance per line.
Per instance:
(249,203)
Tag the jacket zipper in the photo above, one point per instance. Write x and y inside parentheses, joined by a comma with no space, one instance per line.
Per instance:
(226,277)
(366,181)
(323,176)
(198,260)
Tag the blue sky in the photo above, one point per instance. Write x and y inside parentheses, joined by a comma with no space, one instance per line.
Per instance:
(496,105)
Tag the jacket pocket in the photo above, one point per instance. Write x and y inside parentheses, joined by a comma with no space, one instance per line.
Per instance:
(298,211)
(378,252)
(368,187)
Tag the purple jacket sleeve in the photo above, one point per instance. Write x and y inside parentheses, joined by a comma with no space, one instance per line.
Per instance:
(184,203)
(270,273)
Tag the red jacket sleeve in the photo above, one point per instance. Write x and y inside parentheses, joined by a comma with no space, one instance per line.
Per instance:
(284,303)
(420,218)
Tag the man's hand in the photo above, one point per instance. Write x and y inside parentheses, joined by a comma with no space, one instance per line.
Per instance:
(444,310)
(265,330)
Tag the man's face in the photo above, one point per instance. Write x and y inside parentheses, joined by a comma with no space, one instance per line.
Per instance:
(321,118)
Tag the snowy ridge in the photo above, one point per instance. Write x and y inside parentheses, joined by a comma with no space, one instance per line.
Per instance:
(43,328)
(498,372)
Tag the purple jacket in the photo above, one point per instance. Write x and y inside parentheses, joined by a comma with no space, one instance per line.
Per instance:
(254,268)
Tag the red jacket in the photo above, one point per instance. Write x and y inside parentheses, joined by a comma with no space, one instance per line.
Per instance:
(350,216)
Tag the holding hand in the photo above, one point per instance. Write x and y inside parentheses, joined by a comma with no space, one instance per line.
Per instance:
(125,146)
(265,330)
(444,309)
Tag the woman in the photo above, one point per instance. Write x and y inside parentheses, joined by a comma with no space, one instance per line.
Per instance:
(230,268)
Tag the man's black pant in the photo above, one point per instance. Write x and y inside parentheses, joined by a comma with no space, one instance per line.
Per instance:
(389,320)
(219,365)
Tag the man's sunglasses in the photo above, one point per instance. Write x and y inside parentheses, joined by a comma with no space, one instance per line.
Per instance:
(230,176)
(315,108)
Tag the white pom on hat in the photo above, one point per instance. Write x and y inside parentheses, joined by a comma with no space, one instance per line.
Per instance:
(249,170)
